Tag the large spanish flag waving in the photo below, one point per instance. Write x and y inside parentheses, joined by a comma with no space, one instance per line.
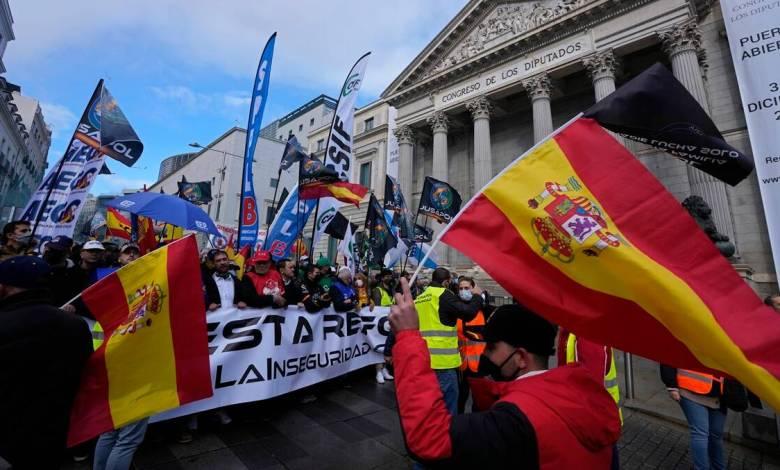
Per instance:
(578,230)
(155,353)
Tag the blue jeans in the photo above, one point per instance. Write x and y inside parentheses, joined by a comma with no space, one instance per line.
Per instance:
(706,428)
(448,383)
(115,449)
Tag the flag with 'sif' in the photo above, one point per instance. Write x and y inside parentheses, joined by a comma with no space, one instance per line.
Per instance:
(584,235)
(155,353)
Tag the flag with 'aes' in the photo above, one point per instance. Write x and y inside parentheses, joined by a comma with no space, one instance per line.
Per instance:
(583,234)
(155,353)
(439,200)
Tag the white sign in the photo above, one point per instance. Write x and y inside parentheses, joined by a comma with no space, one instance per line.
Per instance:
(753,30)
(257,354)
(529,65)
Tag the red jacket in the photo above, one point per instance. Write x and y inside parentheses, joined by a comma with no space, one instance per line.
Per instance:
(562,418)
(267,283)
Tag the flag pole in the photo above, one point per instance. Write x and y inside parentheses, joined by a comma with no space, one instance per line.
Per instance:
(414,226)
(273,204)
(473,198)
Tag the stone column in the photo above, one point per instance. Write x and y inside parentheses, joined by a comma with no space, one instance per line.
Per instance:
(601,68)
(538,89)
(439,125)
(405,136)
(683,44)
(483,161)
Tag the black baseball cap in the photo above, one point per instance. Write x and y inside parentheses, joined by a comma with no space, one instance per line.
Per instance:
(521,328)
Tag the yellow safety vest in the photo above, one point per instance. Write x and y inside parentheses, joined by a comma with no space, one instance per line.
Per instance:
(97,336)
(610,379)
(386,300)
(442,340)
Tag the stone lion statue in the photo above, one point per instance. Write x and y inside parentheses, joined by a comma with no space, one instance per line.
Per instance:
(698,208)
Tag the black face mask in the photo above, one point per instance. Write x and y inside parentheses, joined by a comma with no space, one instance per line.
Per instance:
(489,368)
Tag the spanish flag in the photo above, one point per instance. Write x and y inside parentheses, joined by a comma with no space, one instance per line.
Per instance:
(344,191)
(117,224)
(155,353)
(579,231)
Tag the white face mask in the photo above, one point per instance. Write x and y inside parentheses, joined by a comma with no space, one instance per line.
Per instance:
(466,295)
(359,283)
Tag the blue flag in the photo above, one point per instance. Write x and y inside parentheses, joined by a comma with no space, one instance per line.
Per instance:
(288,224)
(249,220)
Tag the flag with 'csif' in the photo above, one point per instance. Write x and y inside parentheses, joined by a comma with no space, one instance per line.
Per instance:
(655,109)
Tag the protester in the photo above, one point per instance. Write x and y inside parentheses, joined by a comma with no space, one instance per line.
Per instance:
(80,277)
(110,256)
(440,310)
(128,253)
(382,294)
(343,294)
(17,239)
(362,289)
(262,284)
(223,289)
(42,353)
(56,252)
(699,396)
(773,301)
(294,292)
(471,343)
(534,418)
(318,298)
(326,273)
(599,361)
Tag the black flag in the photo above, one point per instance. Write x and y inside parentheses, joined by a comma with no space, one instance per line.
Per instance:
(422,234)
(196,193)
(293,153)
(439,200)
(338,226)
(380,237)
(655,109)
(282,198)
(395,202)
(313,172)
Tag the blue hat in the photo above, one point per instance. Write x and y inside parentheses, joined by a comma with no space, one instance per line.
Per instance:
(26,272)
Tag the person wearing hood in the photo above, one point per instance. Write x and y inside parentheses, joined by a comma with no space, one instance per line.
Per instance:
(535,418)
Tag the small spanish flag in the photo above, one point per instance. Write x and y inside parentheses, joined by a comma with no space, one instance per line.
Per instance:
(117,224)
(579,231)
(344,191)
(155,354)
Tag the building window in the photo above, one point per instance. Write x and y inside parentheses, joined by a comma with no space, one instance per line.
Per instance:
(311,122)
(300,128)
(213,180)
(274,182)
(321,144)
(281,137)
(369,124)
(289,134)
(365,174)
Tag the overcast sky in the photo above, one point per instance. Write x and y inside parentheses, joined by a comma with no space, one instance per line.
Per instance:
(182,70)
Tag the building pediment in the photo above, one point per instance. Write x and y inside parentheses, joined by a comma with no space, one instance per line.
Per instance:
(502,24)
(487,32)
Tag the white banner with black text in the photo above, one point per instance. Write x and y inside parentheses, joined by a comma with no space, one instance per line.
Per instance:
(257,354)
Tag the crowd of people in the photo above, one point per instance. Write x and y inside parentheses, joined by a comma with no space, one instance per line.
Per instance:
(447,337)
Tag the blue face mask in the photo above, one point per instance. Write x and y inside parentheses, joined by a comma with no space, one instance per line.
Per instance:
(466,295)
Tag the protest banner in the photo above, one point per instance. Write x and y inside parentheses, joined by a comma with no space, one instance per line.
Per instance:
(257,354)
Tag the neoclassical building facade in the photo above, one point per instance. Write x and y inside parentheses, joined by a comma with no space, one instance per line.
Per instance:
(502,75)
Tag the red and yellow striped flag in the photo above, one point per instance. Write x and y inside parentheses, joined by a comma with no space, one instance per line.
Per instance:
(155,353)
(579,231)
(344,191)
(117,224)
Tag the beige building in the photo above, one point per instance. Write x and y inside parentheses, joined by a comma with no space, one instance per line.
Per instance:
(502,75)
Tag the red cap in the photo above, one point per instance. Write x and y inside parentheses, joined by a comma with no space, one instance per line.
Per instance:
(261,257)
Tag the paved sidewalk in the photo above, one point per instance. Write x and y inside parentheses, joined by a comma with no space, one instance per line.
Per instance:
(354,425)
